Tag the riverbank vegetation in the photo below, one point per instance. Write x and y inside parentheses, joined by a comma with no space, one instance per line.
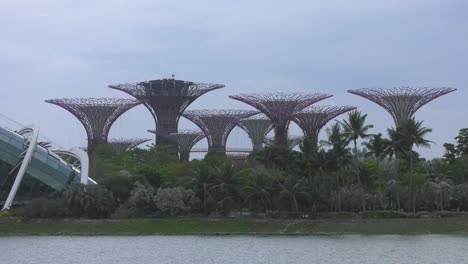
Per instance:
(235,226)
(352,170)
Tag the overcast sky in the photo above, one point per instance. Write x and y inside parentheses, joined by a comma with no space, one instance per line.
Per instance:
(54,49)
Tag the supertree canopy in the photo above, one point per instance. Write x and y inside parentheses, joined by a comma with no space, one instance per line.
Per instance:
(124,144)
(257,127)
(312,119)
(185,140)
(402,102)
(280,108)
(96,114)
(166,99)
(217,124)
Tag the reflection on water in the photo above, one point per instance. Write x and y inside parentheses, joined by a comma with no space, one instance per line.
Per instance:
(236,249)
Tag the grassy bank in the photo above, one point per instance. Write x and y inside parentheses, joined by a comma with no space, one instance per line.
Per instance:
(248,226)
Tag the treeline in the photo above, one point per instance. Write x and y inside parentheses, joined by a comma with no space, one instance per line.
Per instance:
(340,174)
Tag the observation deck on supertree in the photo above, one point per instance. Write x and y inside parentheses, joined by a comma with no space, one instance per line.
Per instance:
(257,127)
(184,139)
(402,102)
(312,119)
(96,114)
(217,124)
(280,108)
(166,99)
(124,144)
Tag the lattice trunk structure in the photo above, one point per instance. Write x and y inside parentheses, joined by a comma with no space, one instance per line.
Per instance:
(217,124)
(185,140)
(312,119)
(166,99)
(257,127)
(124,144)
(280,108)
(402,102)
(96,114)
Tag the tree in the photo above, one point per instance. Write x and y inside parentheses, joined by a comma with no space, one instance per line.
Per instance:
(293,189)
(226,185)
(176,201)
(377,146)
(259,188)
(202,182)
(409,134)
(339,150)
(141,198)
(355,128)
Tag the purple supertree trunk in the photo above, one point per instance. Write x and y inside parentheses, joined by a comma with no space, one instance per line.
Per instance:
(185,140)
(166,99)
(217,124)
(96,114)
(280,108)
(312,119)
(402,102)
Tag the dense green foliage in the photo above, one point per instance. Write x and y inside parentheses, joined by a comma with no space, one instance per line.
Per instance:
(352,170)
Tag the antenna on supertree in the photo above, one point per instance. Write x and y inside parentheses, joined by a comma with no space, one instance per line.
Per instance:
(96,114)
(124,144)
(257,127)
(185,140)
(280,108)
(312,119)
(166,99)
(217,124)
(402,102)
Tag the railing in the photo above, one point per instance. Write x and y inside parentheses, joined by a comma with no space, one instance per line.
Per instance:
(241,150)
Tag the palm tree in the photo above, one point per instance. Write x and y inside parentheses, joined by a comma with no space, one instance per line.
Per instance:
(293,189)
(202,181)
(377,146)
(339,144)
(227,184)
(407,135)
(355,128)
(259,187)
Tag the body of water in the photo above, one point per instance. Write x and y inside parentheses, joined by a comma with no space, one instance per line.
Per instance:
(348,249)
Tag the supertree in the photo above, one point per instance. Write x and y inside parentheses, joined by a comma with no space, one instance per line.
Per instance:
(217,124)
(124,144)
(185,140)
(280,108)
(96,114)
(312,119)
(402,102)
(166,99)
(257,127)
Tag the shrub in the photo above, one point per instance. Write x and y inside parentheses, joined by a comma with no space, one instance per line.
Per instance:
(176,201)
(141,198)
(43,208)
(91,201)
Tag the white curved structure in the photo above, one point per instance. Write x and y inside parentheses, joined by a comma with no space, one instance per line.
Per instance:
(83,159)
(24,165)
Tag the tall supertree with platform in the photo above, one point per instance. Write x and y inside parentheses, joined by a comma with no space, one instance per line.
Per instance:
(402,102)
(166,99)
(217,124)
(312,119)
(280,108)
(124,144)
(184,139)
(96,114)
(257,127)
